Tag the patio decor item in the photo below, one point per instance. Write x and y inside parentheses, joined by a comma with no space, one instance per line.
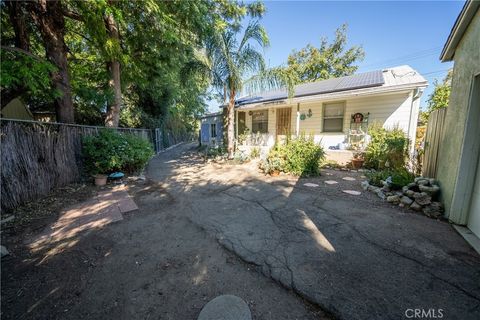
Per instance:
(100,179)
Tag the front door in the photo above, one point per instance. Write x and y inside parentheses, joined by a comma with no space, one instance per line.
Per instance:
(241,122)
(284,121)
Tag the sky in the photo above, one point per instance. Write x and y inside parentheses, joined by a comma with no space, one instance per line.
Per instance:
(392,33)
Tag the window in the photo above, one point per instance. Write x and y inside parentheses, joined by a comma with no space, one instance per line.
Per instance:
(333,117)
(213,130)
(260,121)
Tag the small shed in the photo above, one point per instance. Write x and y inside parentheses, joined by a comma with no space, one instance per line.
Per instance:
(211,130)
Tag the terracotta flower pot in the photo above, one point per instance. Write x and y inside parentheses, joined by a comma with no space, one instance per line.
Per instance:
(100,179)
(275,173)
(357,163)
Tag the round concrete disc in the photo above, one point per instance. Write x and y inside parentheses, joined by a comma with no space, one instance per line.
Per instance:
(225,307)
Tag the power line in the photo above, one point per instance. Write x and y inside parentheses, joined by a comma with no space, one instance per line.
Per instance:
(411,56)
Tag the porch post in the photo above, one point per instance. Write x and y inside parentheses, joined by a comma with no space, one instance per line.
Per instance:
(297,127)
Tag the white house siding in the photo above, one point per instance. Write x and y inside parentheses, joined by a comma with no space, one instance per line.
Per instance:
(390,110)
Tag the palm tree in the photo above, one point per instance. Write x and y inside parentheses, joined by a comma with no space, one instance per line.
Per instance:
(230,61)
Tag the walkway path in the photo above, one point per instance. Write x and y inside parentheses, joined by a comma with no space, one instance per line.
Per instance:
(355,256)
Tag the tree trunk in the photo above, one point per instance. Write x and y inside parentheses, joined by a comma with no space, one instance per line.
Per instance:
(230,125)
(113,109)
(17,19)
(48,16)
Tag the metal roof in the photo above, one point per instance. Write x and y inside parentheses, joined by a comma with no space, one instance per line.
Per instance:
(356,81)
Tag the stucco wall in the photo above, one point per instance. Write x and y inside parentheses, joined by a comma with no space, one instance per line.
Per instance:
(467,64)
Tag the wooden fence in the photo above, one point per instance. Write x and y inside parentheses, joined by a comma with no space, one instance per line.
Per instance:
(39,156)
(433,138)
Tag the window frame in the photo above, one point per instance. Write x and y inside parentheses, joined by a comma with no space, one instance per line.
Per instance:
(344,106)
(213,130)
(263,121)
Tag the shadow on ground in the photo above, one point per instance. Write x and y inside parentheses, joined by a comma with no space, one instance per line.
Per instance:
(154,264)
(356,257)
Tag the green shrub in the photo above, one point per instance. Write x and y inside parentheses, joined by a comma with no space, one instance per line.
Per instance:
(300,156)
(398,177)
(110,151)
(387,148)
(255,152)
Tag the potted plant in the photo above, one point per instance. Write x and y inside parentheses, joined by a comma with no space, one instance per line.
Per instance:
(100,179)
(358,160)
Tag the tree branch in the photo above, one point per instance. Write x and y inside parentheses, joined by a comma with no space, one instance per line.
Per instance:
(72,15)
(23,52)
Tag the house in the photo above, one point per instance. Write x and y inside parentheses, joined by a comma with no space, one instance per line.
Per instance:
(337,112)
(211,129)
(16,109)
(459,153)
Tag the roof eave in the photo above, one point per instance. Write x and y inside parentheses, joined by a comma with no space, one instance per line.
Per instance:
(461,24)
(348,93)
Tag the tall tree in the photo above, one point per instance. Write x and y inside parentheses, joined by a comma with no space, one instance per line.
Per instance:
(231,62)
(440,96)
(327,61)
(113,109)
(48,16)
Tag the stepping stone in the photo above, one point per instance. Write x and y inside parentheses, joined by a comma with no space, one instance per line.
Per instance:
(352,192)
(331,182)
(349,178)
(310,184)
(225,307)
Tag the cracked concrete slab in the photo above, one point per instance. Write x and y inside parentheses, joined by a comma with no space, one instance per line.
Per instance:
(361,259)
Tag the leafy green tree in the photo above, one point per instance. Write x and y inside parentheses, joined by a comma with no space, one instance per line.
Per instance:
(327,61)
(231,62)
(439,97)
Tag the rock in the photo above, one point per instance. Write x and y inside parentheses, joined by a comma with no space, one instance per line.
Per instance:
(393,199)
(226,307)
(404,189)
(380,193)
(432,181)
(422,198)
(385,189)
(352,192)
(411,185)
(433,190)
(418,179)
(372,188)
(4,251)
(365,185)
(401,205)
(433,210)
(423,182)
(406,200)
(415,206)
(308,184)
(330,182)
(409,193)
(399,193)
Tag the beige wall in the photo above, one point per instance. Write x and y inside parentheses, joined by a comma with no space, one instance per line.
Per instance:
(467,64)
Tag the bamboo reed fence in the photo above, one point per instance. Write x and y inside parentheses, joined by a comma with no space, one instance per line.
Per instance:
(37,157)
(433,138)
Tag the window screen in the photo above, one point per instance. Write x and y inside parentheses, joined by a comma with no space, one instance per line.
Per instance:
(213,130)
(333,117)
(260,121)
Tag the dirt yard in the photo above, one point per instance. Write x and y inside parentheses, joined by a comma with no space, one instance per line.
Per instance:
(154,264)
(291,248)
